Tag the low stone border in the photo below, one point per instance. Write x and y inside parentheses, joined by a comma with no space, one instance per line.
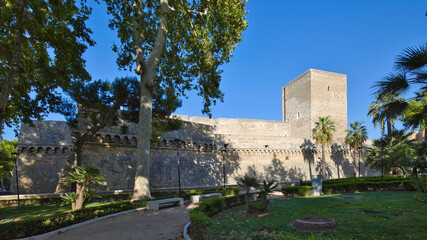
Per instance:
(184,232)
(71,227)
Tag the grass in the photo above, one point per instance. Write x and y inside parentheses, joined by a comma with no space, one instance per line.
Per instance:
(369,215)
(34,212)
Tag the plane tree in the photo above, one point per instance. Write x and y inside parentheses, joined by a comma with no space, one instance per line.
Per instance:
(41,49)
(178,45)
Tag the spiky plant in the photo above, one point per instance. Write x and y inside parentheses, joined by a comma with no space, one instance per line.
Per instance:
(265,189)
(247,182)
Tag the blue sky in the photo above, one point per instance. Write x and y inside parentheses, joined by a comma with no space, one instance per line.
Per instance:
(286,38)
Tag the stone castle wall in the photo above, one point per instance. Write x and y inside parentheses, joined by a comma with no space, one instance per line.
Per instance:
(201,162)
(279,150)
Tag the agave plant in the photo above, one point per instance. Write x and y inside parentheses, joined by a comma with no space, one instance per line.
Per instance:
(247,182)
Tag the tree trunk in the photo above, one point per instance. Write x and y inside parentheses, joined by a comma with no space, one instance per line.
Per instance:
(142,174)
(147,71)
(80,195)
(323,162)
(264,202)
(9,82)
(354,163)
(247,196)
(389,127)
(425,135)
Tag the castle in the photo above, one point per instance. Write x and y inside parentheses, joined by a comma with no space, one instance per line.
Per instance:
(206,152)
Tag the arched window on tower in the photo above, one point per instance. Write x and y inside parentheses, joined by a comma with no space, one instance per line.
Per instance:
(298,115)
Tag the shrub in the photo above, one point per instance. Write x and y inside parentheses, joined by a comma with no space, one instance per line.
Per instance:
(27,228)
(255,207)
(200,224)
(300,191)
(212,206)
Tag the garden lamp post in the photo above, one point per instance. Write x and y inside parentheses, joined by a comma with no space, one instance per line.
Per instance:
(359,149)
(223,166)
(15,156)
(178,145)
(382,141)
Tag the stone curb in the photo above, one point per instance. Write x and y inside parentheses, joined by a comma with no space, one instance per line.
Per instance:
(186,236)
(66,229)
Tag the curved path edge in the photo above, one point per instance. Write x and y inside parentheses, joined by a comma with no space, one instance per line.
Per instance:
(71,227)
(184,232)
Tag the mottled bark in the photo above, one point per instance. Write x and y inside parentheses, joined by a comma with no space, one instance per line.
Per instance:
(147,71)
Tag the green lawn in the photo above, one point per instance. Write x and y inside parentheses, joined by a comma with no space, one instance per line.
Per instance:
(370,215)
(33,212)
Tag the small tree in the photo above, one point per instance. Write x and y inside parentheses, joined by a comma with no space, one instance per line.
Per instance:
(265,189)
(83,176)
(6,160)
(355,138)
(323,133)
(247,182)
(398,151)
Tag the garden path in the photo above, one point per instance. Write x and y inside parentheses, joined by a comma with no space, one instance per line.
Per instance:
(166,224)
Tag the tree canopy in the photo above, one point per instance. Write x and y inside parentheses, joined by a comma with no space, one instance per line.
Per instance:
(175,45)
(41,48)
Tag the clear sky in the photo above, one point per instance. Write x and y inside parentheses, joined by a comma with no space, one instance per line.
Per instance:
(286,38)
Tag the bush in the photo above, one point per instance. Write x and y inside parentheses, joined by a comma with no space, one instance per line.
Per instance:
(420,184)
(366,186)
(27,228)
(300,191)
(212,206)
(255,207)
(200,224)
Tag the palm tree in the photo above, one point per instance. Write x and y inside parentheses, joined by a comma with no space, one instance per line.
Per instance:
(83,176)
(382,111)
(415,116)
(398,152)
(355,138)
(247,182)
(411,72)
(265,189)
(323,134)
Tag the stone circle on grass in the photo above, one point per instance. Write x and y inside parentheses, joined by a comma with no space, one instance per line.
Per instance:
(313,223)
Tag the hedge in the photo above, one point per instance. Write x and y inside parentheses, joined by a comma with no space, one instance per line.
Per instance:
(351,185)
(20,229)
(200,216)
(123,196)
(367,186)
(294,191)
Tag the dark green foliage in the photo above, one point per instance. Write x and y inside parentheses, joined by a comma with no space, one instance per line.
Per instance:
(256,208)
(367,186)
(7,161)
(42,45)
(27,228)
(297,191)
(398,150)
(200,223)
(126,196)
(212,206)
(200,216)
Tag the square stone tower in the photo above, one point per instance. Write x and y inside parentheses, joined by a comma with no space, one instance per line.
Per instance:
(312,95)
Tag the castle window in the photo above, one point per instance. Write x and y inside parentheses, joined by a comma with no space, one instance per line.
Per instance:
(329,88)
(298,115)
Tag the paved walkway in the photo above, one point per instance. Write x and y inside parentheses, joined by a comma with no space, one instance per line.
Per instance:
(165,224)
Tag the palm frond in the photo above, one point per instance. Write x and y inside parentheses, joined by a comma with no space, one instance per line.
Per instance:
(412,58)
(395,82)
